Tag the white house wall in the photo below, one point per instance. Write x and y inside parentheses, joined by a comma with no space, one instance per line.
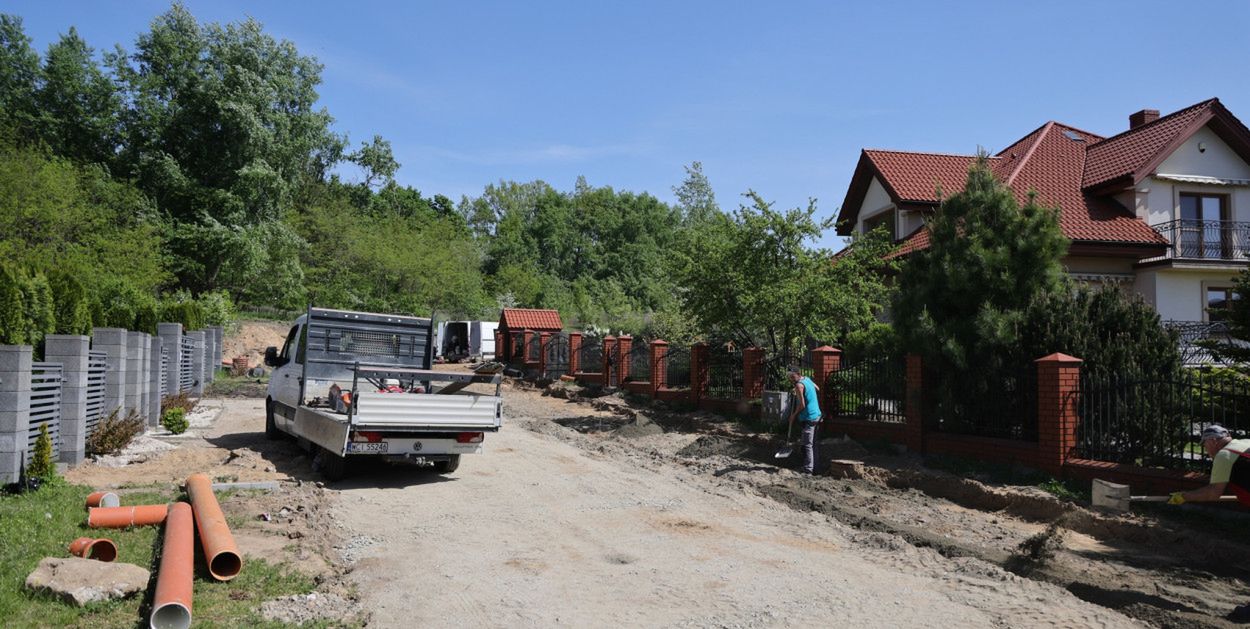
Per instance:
(1179,294)
(1158,200)
(876,201)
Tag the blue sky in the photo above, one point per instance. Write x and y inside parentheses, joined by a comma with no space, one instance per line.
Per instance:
(778,97)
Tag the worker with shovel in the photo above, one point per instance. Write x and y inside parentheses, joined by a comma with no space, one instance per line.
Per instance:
(1230,470)
(805,408)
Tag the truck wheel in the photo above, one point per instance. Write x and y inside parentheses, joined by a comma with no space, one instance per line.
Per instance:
(448,466)
(332,466)
(271,428)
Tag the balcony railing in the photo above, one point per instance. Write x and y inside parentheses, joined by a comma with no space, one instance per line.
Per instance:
(1206,240)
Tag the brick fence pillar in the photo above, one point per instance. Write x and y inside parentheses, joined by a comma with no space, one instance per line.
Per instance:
(825,361)
(543,339)
(171,340)
(575,352)
(609,361)
(527,338)
(197,363)
(1058,384)
(752,372)
(698,372)
(659,366)
(16,362)
(154,381)
(112,341)
(914,404)
(624,345)
(71,350)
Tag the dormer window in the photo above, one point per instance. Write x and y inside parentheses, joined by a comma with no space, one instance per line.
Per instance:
(885,218)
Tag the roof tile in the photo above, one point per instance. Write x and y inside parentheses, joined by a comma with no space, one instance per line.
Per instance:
(530,319)
(1123,154)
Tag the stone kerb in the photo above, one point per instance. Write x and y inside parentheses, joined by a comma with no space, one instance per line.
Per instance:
(15,367)
(112,341)
(72,352)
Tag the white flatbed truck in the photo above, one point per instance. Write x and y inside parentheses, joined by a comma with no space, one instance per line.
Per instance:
(349,384)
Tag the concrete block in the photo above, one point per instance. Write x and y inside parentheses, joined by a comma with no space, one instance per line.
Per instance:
(154,384)
(11,467)
(112,341)
(134,364)
(197,362)
(14,401)
(108,336)
(15,360)
(9,442)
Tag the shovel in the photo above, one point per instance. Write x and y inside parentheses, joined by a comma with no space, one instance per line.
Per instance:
(1116,497)
(788,449)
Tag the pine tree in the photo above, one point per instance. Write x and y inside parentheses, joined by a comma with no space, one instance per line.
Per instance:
(41,464)
(13,323)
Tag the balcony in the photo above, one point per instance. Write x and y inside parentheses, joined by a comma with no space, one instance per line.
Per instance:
(1206,240)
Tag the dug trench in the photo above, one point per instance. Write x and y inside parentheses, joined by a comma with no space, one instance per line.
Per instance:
(1164,572)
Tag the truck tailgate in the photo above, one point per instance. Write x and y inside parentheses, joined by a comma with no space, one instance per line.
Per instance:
(395,410)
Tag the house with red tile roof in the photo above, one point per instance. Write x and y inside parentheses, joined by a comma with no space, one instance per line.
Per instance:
(1162,208)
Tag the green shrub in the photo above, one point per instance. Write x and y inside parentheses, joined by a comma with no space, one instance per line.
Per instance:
(70,304)
(114,433)
(42,464)
(40,313)
(181,400)
(181,308)
(217,308)
(13,323)
(874,342)
(175,420)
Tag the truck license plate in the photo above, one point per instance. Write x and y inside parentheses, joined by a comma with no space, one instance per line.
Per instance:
(367,448)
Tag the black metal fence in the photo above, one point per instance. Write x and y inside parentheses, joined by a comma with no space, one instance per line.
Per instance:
(590,356)
(999,403)
(556,356)
(676,361)
(724,373)
(640,361)
(532,348)
(872,390)
(1156,421)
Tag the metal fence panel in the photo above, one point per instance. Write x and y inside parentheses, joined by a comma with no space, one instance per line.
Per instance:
(677,367)
(590,359)
(164,391)
(1000,404)
(640,362)
(724,374)
(871,390)
(97,374)
(45,406)
(556,356)
(1156,421)
(186,379)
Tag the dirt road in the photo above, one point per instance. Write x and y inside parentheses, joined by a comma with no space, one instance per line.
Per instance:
(547,529)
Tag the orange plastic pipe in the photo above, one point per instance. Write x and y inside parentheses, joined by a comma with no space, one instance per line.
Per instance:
(122,517)
(103,499)
(224,561)
(171,604)
(102,549)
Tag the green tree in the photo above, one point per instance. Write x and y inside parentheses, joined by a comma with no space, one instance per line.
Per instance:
(1238,351)
(40,309)
(754,277)
(42,465)
(961,301)
(79,107)
(19,75)
(695,199)
(13,321)
(377,160)
(70,302)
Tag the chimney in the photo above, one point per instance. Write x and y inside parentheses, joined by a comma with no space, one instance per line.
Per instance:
(1145,116)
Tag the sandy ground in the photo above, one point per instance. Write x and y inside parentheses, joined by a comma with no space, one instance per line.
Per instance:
(595,512)
(541,531)
(252,338)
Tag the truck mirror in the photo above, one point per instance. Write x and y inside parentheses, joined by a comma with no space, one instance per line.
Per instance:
(271,356)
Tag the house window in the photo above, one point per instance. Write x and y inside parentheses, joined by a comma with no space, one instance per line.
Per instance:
(885,218)
(1220,302)
(1204,233)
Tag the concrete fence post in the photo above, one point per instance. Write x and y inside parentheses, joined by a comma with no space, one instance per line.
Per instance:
(154,381)
(72,351)
(214,353)
(752,372)
(145,378)
(914,404)
(197,363)
(112,341)
(698,372)
(609,361)
(624,348)
(826,361)
(171,340)
(1058,384)
(575,352)
(659,366)
(15,366)
(134,371)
